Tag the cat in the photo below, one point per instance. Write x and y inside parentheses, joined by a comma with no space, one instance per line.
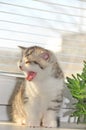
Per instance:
(38,100)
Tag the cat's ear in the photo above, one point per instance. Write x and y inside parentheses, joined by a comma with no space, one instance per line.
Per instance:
(22,48)
(45,55)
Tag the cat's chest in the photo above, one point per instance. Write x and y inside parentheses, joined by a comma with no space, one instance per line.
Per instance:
(45,88)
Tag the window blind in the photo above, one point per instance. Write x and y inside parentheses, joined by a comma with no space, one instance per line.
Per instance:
(54,24)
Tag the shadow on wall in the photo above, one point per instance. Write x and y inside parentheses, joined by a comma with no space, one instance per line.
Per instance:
(72,54)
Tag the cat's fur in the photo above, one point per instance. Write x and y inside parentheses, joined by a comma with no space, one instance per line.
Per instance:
(39,98)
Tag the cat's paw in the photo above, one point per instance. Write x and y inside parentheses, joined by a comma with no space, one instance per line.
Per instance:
(49,124)
(20,121)
(34,124)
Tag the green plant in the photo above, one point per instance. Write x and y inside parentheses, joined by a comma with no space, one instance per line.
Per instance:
(77,87)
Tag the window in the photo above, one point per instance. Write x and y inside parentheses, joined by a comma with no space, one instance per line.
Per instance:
(55,25)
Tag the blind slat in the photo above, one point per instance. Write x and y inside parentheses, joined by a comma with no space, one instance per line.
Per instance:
(56,25)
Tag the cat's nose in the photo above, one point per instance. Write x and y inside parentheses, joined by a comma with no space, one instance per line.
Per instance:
(20,67)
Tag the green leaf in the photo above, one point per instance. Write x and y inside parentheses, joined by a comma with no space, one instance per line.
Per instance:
(77,87)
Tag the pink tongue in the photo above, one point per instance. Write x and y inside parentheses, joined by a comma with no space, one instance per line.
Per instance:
(31,75)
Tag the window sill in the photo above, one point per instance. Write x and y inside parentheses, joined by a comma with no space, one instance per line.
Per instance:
(64,126)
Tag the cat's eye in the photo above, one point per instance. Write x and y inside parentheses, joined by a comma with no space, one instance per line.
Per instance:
(27,62)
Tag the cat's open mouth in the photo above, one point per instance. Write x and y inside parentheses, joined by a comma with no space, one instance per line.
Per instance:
(31,75)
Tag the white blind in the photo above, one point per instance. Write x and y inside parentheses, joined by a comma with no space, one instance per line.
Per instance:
(59,25)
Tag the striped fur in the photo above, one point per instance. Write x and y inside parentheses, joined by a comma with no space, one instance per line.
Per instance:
(37,102)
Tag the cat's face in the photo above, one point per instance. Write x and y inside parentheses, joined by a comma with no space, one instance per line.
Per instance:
(34,60)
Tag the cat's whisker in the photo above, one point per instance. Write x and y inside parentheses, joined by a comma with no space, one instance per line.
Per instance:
(35,90)
(31,91)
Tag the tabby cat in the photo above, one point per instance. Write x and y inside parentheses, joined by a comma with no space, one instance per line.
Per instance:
(38,100)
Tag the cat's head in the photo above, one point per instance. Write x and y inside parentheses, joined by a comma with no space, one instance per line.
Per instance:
(34,60)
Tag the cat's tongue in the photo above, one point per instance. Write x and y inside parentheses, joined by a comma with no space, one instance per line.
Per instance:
(31,75)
